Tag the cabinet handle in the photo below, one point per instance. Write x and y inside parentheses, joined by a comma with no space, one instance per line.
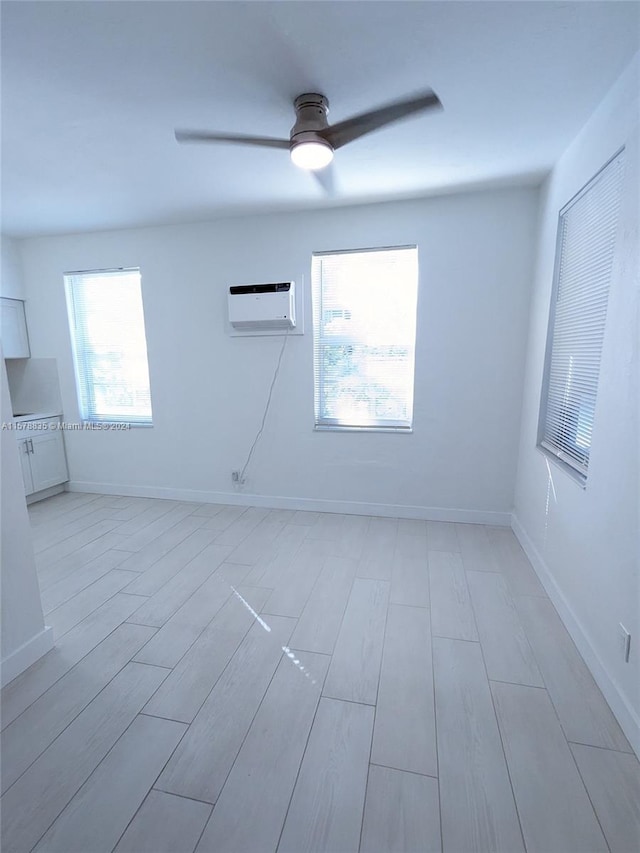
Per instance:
(26,446)
(31,444)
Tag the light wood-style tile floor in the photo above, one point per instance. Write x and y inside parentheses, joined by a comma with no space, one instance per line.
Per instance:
(242,680)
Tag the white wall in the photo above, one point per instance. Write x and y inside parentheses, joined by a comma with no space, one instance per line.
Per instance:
(586,542)
(34,385)
(209,390)
(24,637)
(11,284)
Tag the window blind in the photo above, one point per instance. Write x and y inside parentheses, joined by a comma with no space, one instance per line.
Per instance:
(364,309)
(109,344)
(586,241)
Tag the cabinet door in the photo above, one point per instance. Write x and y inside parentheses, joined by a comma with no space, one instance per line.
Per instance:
(48,461)
(15,341)
(25,463)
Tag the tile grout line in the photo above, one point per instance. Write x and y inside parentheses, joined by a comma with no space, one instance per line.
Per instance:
(154,787)
(162,556)
(533,650)
(42,555)
(91,612)
(403,770)
(495,715)
(605,748)
(250,724)
(504,752)
(61,732)
(196,590)
(457,639)
(302,757)
(124,622)
(435,704)
(84,708)
(240,641)
(144,799)
(586,790)
(573,758)
(85,780)
(375,710)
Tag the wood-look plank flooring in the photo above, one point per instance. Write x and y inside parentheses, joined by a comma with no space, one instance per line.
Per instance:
(245,680)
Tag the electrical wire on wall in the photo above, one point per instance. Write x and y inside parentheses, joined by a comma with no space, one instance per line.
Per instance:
(241,478)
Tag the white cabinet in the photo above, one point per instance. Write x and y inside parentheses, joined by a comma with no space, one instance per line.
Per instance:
(15,340)
(25,462)
(42,455)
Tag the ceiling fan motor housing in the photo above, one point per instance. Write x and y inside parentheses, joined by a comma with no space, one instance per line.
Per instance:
(311,117)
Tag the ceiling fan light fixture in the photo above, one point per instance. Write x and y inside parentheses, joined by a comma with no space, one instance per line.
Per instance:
(312,140)
(312,154)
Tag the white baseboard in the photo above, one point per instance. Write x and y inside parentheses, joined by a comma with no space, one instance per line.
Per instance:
(626,715)
(45,493)
(470,516)
(25,655)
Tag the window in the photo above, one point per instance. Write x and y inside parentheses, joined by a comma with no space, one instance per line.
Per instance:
(364,316)
(109,345)
(584,259)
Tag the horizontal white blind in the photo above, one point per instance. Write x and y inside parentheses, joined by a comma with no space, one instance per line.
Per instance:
(586,241)
(364,309)
(110,348)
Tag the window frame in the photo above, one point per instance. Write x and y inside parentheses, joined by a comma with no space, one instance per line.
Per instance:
(86,390)
(335,424)
(544,443)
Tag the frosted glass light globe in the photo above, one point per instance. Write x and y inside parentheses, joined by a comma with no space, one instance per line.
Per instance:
(312,155)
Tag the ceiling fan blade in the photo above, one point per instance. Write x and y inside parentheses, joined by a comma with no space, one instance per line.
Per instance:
(353,128)
(326,178)
(205,136)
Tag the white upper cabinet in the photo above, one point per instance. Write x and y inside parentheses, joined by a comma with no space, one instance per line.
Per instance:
(15,340)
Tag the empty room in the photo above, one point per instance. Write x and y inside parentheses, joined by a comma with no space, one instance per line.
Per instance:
(320,426)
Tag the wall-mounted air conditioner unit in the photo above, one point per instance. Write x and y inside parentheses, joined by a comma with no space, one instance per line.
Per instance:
(262,306)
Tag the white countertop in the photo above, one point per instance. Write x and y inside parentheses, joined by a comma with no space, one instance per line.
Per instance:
(36,416)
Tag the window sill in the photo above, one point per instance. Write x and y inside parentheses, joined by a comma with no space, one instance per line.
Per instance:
(579,478)
(332,428)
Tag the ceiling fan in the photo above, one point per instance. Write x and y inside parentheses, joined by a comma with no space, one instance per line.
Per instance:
(313,140)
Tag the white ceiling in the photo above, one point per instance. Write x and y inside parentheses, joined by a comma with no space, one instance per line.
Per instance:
(92,91)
